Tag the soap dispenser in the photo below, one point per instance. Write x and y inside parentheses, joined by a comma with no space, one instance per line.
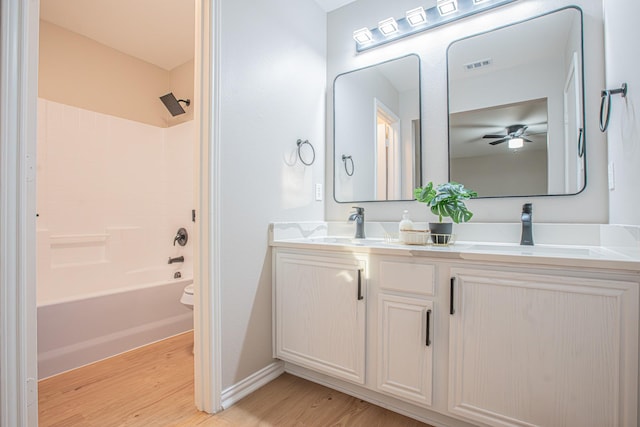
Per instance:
(405,225)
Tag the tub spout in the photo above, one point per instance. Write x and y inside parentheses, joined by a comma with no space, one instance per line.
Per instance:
(176,259)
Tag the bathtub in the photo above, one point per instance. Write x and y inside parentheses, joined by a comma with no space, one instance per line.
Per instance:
(78,328)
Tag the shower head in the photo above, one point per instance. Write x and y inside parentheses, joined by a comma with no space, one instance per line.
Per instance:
(173,104)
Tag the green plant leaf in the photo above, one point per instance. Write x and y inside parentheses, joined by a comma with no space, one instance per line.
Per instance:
(425,194)
(446,200)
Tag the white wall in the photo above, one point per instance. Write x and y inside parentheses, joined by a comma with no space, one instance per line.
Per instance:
(621,38)
(432,45)
(111,195)
(273,93)
(506,173)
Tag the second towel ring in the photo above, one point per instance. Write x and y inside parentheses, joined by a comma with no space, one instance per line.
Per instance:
(346,168)
(313,151)
(581,143)
(605,98)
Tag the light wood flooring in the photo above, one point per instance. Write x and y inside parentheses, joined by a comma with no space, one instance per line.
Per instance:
(153,387)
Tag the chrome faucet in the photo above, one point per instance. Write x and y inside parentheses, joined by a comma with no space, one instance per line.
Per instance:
(358,217)
(527,225)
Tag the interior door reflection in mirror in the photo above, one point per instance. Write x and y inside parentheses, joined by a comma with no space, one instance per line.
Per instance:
(377,132)
(516,108)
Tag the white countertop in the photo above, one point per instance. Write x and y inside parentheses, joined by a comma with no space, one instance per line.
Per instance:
(622,254)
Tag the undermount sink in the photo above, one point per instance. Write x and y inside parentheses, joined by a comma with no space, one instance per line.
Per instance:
(474,247)
(339,240)
(532,250)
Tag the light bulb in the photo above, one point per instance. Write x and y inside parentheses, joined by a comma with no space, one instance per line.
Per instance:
(446,7)
(416,16)
(362,36)
(516,143)
(388,26)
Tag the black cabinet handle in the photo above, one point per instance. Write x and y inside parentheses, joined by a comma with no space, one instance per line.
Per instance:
(451,309)
(360,296)
(428,341)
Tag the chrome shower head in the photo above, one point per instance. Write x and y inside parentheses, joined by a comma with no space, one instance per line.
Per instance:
(173,104)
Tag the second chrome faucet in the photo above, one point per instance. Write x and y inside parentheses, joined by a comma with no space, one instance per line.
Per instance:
(358,218)
(527,224)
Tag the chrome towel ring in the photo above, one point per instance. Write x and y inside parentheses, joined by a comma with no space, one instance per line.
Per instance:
(346,168)
(605,99)
(581,143)
(301,143)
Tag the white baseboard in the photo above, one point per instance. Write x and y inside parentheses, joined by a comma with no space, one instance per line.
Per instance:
(250,384)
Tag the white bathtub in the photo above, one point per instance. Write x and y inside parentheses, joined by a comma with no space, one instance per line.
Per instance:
(81,328)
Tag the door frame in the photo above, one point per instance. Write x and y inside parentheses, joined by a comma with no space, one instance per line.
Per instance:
(18,106)
(19,31)
(388,158)
(207,306)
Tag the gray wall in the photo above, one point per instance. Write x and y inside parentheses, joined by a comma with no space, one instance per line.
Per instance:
(522,172)
(273,86)
(621,36)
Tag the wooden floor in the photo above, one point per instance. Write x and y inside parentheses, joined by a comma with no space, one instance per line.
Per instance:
(153,387)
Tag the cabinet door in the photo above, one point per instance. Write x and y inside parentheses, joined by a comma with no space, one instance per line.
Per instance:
(529,349)
(320,314)
(404,348)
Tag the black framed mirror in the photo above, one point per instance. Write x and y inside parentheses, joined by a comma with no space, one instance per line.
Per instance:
(516,108)
(377,132)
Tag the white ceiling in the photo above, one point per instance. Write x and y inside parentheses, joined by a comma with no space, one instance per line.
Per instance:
(157,31)
(160,32)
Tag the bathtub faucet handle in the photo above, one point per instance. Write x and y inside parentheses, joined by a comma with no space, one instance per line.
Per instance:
(181,237)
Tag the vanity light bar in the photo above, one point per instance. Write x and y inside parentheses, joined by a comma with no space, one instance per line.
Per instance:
(420,19)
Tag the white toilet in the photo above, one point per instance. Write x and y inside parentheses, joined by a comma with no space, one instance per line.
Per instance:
(187,296)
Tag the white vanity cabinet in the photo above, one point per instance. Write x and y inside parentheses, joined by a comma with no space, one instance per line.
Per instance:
(320,312)
(405,330)
(459,338)
(543,349)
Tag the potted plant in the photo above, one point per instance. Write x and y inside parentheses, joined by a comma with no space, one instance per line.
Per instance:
(446,200)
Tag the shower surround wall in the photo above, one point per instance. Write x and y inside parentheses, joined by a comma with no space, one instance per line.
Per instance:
(111,195)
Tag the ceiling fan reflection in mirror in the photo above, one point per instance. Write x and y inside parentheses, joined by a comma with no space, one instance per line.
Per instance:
(515,136)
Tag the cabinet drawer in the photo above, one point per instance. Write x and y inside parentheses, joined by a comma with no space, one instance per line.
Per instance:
(416,278)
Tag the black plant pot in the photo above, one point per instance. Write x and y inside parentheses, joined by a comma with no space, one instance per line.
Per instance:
(441,232)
